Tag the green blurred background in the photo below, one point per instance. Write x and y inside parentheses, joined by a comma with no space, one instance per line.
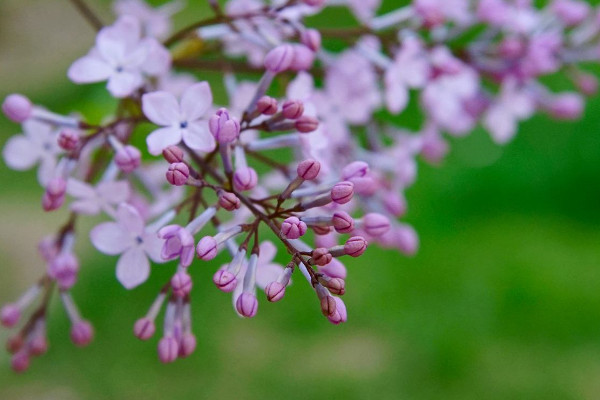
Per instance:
(501,302)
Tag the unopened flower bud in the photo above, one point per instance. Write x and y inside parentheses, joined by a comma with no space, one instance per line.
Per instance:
(395,204)
(342,222)
(54,196)
(336,286)
(144,328)
(567,106)
(178,174)
(280,58)
(223,127)
(168,349)
(355,246)
(225,280)
(376,224)
(314,3)
(63,269)
(304,58)
(82,333)
(311,38)
(586,83)
(10,315)
(245,179)
(328,305)
(321,256)
(68,139)
(266,105)
(275,291)
(365,186)
(308,169)
(356,169)
(342,192)
(306,124)
(20,361)
(128,158)
(17,107)
(38,345)
(340,314)
(181,283)
(293,228)
(247,305)
(187,344)
(292,109)
(228,200)
(207,248)
(173,154)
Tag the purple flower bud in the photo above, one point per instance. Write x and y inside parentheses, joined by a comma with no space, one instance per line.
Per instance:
(20,361)
(566,106)
(355,246)
(314,3)
(407,240)
(225,280)
(335,269)
(311,38)
(275,291)
(340,314)
(181,283)
(336,286)
(247,305)
(168,349)
(64,270)
(187,345)
(144,328)
(82,333)
(228,200)
(178,174)
(267,105)
(394,204)
(308,169)
(173,154)
(293,228)
(321,256)
(54,196)
(586,83)
(571,12)
(10,315)
(128,158)
(342,192)
(245,179)
(306,124)
(304,58)
(328,305)
(342,222)
(17,107)
(68,139)
(207,248)
(321,230)
(292,109)
(280,58)
(356,169)
(365,186)
(376,224)
(38,345)
(223,127)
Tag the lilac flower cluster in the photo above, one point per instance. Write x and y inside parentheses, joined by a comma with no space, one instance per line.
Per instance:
(226,174)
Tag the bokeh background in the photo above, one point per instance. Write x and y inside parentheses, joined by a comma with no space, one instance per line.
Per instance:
(501,302)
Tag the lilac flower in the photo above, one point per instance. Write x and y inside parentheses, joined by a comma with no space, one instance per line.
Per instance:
(130,238)
(91,200)
(121,57)
(180,120)
(156,22)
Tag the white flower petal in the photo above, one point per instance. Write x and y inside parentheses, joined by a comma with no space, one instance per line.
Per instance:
(46,169)
(110,238)
(77,188)
(18,153)
(196,101)
(198,137)
(158,59)
(162,138)
(133,268)
(123,84)
(89,69)
(153,246)
(161,108)
(114,192)
(130,219)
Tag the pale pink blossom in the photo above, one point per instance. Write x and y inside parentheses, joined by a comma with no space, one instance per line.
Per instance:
(91,200)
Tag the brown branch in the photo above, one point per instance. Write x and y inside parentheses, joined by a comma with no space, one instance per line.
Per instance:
(88,14)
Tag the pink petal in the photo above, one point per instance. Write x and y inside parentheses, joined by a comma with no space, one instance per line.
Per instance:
(196,101)
(110,46)
(162,138)
(87,207)
(46,169)
(198,137)
(114,192)
(123,84)
(158,60)
(18,153)
(77,188)
(133,268)
(130,220)
(89,69)
(110,238)
(153,246)
(161,108)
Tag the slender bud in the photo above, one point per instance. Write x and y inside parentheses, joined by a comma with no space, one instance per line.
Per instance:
(54,196)
(308,169)
(376,224)
(173,154)
(10,315)
(228,200)
(342,192)
(306,124)
(340,314)
(144,328)
(225,280)
(304,58)
(342,222)
(168,349)
(280,58)
(292,109)
(336,286)
(128,158)
(355,246)
(207,248)
(328,305)
(20,361)
(82,333)
(181,283)
(17,107)
(356,169)
(178,174)
(321,256)
(311,38)
(187,345)
(245,179)
(266,105)
(247,305)
(275,291)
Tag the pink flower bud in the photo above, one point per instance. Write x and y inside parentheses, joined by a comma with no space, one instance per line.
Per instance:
(225,280)
(365,186)
(178,174)
(82,333)
(335,269)
(314,3)
(340,314)
(247,305)
(173,154)
(328,306)
(68,139)
(223,127)
(321,256)
(181,283)
(293,228)
(144,328)
(586,83)
(571,12)
(395,204)
(54,196)
(304,58)
(267,105)
(355,246)
(566,106)
(128,158)
(308,169)
(168,349)
(311,38)
(10,315)
(187,345)
(275,291)
(20,361)
(407,240)
(207,248)
(306,124)
(228,200)
(336,286)
(245,179)
(321,230)
(376,224)
(292,109)
(17,107)
(64,270)
(38,345)
(280,58)
(356,169)
(342,192)
(342,222)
